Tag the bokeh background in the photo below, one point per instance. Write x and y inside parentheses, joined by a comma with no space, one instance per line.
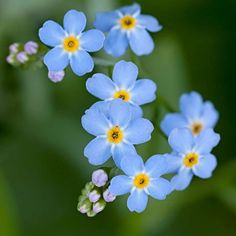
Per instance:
(42,167)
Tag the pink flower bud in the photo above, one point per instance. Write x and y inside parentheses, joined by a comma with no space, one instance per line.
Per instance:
(56,76)
(99,178)
(31,47)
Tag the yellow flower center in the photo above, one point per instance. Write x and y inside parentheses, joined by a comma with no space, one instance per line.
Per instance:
(196,128)
(141,181)
(128,22)
(124,95)
(115,135)
(190,160)
(71,44)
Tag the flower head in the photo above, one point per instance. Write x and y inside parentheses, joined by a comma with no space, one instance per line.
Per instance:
(141,180)
(191,156)
(31,48)
(127,27)
(116,132)
(124,86)
(195,115)
(70,45)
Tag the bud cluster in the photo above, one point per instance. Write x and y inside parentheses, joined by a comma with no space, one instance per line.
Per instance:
(95,194)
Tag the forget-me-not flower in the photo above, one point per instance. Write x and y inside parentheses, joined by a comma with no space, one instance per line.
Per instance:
(191,156)
(116,131)
(195,115)
(127,27)
(70,44)
(141,180)
(124,86)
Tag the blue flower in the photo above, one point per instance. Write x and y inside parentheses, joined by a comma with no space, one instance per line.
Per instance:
(70,45)
(141,180)
(126,26)
(191,156)
(195,115)
(123,86)
(116,132)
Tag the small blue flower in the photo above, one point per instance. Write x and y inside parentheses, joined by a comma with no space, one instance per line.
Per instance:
(126,26)
(123,86)
(195,115)
(116,132)
(70,45)
(141,180)
(191,156)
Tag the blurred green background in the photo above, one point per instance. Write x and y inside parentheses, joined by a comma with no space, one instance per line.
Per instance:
(42,168)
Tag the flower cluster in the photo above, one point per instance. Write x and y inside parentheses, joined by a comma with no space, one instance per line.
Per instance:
(117,122)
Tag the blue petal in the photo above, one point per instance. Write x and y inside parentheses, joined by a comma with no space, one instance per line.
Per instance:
(149,22)
(172,121)
(182,180)
(101,86)
(116,42)
(191,105)
(205,166)
(120,113)
(137,201)
(98,151)
(74,22)
(125,74)
(132,164)
(120,150)
(141,42)
(210,115)
(139,131)
(143,91)
(181,140)
(174,162)
(156,166)
(131,9)
(159,188)
(137,111)
(120,185)
(206,141)
(81,63)
(51,34)
(106,20)
(94,122)
(56,59)
(92,40)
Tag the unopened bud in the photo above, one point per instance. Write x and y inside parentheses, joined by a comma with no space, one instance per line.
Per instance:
(94,196)
(10,59)
(22,57)
(14,48)
(31,47)
(99,177)
(56,76)
(85,206)
(91,213)
(99,206)
(108,196)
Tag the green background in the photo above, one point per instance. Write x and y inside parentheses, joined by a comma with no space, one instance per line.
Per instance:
(42,167)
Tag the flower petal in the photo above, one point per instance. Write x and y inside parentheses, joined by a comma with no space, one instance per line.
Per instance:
(156,166)
(81,63)
(98,151)
(174,162)
(132,164)
(94,122)
(101,86)
(56,59)
(159,188)
(172,121)
(144,91)
(182,180)
(139,131)
(103,107)
(120,185)
(137,111)
(125,74)
(131,9)
(92,40)
(149,22)
(137,201)
(141,42)
(205,166)
(210,115)
(74,22)
(51,34)
(116,42)
(181,140)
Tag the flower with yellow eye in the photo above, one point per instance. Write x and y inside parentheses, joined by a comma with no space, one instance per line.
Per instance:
(116,131)
(127,27)
(123,85)
(141,180)
(70,44)
(195,115)
(191,156)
